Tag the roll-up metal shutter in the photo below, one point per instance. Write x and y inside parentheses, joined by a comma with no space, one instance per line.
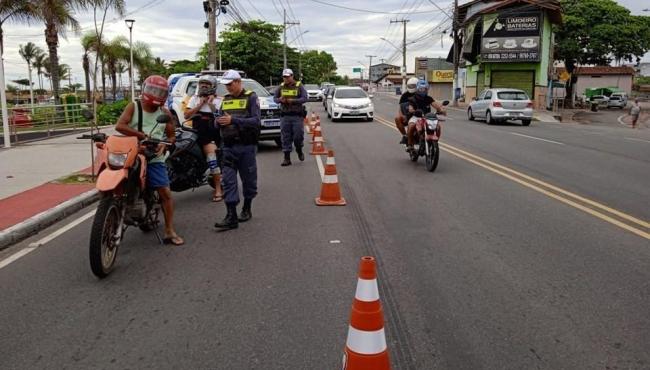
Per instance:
(522,80)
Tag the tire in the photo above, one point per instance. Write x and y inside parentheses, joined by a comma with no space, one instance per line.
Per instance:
(470,114)
(433,157)
(488,118)
(106,220)
(278,142)
(525,122)
(370,119)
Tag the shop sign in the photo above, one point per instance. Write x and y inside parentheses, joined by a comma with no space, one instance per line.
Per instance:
(511,37)
(441,76)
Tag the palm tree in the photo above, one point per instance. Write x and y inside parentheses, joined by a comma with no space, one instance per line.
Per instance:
(142,58)
(121,68)
(89,43)
(29,52)
(63,71)
(114,51)
(39,64)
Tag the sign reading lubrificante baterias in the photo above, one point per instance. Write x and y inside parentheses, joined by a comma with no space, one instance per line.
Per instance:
(511,37)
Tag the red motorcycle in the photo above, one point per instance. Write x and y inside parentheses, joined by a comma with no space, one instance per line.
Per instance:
(428,130)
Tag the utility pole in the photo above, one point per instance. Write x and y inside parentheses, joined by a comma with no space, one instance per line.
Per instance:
(284,30)
(212,34)
(456,53)
(404,21)
(370,69)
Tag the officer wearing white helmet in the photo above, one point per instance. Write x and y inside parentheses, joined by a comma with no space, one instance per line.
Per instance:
(400,119)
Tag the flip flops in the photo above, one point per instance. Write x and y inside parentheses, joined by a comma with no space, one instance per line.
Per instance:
(174,240)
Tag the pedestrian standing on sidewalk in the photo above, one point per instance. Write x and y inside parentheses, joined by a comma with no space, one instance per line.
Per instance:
(291,96)
(240,130)
(635,112)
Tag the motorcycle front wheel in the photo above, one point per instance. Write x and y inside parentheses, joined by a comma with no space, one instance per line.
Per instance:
(104,237)
(433,156)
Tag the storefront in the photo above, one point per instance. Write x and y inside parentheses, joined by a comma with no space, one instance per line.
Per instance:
(440,75)
(508,44)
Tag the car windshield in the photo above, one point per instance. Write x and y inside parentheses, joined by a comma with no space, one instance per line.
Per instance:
(350,93)
(311,87)
(512,95)
(615,98)
(221,88)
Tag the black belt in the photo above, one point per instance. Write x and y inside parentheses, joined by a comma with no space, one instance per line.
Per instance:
(283,114)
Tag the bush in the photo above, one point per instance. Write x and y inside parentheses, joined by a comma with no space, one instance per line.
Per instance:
(107,114)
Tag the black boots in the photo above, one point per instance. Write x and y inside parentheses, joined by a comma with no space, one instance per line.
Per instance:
(287,159)
(301,156)
(230,221)
(246,213)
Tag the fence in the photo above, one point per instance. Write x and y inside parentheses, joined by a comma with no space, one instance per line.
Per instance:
(29,122)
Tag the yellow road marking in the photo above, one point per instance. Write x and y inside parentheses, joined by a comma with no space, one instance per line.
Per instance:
(530,182)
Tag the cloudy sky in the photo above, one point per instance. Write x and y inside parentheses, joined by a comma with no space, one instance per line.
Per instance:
(174,29)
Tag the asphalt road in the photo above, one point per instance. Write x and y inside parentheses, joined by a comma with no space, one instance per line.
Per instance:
(480,267)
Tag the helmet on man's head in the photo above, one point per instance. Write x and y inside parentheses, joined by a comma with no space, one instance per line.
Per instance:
(155,90)
(422,87)
(207,79)
(411,85)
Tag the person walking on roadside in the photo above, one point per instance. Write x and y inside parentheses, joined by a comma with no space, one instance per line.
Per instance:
(635,112)
(240,130)
(139,119)
(291,96)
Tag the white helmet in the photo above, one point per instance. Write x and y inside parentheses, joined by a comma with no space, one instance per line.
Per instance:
(411,84)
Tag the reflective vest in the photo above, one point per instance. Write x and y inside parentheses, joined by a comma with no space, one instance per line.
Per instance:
(238,107)
(291,92)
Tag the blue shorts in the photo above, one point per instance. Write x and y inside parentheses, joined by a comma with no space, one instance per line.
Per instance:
(157,175)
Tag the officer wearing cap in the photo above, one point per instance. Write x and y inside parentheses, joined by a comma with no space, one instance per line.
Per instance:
(240,129)
(291,96)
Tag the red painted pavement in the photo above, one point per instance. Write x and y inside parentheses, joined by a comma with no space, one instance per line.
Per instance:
(19,207)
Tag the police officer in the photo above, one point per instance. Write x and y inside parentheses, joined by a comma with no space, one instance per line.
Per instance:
(291,96)
(240,129)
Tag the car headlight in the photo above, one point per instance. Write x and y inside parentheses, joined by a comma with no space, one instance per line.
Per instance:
(117,160)
(335,105)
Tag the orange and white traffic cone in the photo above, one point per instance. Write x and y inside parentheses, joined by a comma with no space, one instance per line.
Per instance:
(316,132)
(366,347)
(313,116)
(307,124)
(330,192)
(318,147)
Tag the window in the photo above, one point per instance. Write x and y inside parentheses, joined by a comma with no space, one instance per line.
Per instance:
(311,87)
(512,95)
(350,94)
(488,95)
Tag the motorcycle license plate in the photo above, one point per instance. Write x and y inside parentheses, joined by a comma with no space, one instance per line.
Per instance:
(354,112)
(271,123)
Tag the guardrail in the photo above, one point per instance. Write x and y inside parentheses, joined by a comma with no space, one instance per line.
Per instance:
(44,120)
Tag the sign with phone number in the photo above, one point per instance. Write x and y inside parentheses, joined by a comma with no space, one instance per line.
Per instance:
(510,57)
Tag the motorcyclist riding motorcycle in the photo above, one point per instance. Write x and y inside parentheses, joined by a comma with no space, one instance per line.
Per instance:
(401,119)
(201,109)
(422,102)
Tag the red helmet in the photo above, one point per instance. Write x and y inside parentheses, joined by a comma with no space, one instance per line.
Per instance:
(154,90)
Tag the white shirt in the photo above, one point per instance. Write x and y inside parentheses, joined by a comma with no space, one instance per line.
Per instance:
(195,100)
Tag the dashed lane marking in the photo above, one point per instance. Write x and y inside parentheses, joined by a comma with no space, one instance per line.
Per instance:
(538,138)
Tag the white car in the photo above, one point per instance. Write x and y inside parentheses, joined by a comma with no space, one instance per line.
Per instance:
(314,92)
(350,102)
(186,87)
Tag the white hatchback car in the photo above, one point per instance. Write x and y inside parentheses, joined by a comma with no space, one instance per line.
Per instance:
(350,102)
(501,105)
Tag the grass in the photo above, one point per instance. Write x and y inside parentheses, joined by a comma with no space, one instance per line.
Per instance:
(77,178)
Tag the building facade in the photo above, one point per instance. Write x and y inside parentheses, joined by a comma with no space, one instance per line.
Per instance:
(439,73)
(602,76)
(378,71)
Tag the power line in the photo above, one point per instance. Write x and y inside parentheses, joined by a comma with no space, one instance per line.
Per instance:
(367,10)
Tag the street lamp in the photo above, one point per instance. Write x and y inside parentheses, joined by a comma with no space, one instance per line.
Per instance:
(129,23)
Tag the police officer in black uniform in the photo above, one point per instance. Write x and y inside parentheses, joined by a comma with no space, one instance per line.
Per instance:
(240,129)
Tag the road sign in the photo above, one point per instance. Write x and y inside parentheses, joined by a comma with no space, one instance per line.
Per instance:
(356,70)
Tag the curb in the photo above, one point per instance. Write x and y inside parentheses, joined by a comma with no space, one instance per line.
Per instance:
(38,222)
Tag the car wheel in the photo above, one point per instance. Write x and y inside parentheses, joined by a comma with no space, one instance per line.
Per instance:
(369,119)
(470,114)
(488,118)
(525,122)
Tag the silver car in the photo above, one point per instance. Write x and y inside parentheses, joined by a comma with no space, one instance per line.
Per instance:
(616,101)
(495,105)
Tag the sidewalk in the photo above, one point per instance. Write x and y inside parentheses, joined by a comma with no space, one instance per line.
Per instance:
(31,198)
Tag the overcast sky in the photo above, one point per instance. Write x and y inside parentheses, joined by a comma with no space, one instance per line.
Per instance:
(174,29)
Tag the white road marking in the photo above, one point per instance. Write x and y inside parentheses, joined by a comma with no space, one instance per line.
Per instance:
(620,120)
(635,139)
(335,242)
(32,246)
(321,169)
(538,138)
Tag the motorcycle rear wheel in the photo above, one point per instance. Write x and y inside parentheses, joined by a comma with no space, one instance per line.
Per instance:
(433,157)
(103,244)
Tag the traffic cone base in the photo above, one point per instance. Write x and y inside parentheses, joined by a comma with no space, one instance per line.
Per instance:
(318,148)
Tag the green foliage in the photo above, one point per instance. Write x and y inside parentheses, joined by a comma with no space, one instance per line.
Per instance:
(598,32)
(108,114)
(182,66)
(317,66)
(643,80)
(338,80)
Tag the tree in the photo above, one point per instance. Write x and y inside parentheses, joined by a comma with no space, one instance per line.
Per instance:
(317,66)
(184,65)
(88,43)
(114,51)
(29,51)
(39,64)
(599,32)
(58,16)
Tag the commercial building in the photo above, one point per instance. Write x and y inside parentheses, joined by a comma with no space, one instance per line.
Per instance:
(602,76)
(439,73)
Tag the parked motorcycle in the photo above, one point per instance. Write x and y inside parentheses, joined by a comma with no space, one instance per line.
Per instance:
(125,199)
(186,165)
(428,130)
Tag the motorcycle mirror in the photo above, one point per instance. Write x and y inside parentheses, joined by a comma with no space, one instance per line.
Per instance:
(446,102)
(163,118)
(87,114)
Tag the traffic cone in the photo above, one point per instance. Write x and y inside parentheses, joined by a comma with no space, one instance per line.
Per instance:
(330,192)
(366,347)
(318,147)
(307,124)
(313,116)
(316,132)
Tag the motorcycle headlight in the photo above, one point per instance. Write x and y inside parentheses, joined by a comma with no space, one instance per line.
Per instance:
(432,125)
(117,160)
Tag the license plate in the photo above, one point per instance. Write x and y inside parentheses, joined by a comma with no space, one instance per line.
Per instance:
(271,123)
(354,112)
